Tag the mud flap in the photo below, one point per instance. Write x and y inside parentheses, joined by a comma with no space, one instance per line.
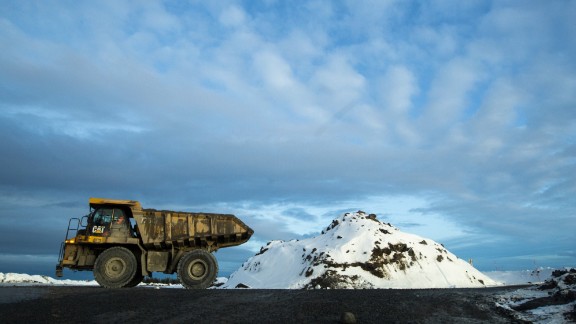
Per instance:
(59,269)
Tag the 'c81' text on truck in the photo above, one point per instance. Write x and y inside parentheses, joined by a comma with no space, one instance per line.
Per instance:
(121,243)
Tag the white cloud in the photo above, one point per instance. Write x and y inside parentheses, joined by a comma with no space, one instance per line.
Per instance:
(303,47)
(233,16)
(449,94)
(157,19)
(275,71)
(337,84)
(397,90)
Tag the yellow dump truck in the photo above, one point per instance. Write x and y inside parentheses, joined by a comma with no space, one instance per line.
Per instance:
(121,243)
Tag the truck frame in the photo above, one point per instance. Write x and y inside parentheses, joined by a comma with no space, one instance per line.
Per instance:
(122,243)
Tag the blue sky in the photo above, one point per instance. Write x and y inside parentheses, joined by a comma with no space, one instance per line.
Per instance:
(453,120)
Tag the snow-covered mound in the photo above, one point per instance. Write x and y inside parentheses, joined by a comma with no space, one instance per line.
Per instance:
(357,251)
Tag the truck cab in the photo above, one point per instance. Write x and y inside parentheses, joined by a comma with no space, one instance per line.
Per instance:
(106,221)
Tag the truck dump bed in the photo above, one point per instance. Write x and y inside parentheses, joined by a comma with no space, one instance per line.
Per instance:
(160,229)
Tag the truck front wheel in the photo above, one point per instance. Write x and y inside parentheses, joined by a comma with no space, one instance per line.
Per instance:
(197,269)
(115,268)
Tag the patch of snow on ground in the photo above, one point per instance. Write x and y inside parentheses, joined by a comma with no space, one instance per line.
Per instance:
(554,301)
(219,282)
(160,285)
(19,279)
(520,277)
(22,279)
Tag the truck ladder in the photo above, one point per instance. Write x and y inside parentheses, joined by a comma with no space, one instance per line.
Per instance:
(73,226)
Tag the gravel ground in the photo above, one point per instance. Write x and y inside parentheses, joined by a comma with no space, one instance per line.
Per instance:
(149,305)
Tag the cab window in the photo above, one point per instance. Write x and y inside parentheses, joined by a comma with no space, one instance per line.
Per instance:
(103,216)
(106,220)
(118,216)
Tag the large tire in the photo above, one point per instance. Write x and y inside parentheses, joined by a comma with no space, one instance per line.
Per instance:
(197,269)
(115,268)
(138,277)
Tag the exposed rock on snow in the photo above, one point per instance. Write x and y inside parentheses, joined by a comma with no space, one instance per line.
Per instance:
(357,251)
(554,301)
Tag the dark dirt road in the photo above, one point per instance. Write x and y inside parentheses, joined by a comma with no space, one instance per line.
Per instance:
(149,305)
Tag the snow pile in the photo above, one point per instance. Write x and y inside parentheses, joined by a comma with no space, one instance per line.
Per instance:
(19,279)
(357,251)
(554,301)
(220,281)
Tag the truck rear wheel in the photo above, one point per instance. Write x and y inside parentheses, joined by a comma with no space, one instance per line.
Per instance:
(138,276)
(197,269)
(135,281)
(115,268)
